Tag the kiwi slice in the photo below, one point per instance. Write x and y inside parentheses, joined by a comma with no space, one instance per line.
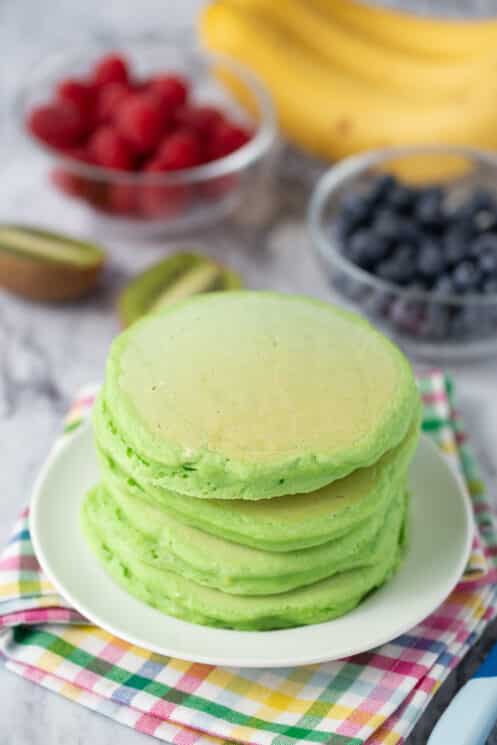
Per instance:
(171,280)
(42,265)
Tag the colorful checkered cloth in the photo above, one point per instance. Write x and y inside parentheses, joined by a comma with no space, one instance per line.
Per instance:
(375,697)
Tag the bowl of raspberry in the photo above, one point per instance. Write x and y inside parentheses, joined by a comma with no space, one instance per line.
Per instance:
(151,136)
(408,236)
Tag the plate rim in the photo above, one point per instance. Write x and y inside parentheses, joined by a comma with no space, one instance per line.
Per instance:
(65,442)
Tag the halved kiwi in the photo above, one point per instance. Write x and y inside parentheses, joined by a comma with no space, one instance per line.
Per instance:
(42,265)
(171,280)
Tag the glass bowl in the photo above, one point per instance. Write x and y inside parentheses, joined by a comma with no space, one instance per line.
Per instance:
(151,203)
(425,323)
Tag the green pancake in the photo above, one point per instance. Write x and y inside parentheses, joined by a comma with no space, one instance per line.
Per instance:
(164,542)
(281,524)
(178,595)
(253,395)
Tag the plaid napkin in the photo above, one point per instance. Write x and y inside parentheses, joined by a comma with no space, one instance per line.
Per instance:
(375,697)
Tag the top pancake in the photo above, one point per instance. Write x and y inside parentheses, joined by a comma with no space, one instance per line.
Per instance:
(251,395)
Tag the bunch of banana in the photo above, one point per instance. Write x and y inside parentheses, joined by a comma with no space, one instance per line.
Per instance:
(347,77)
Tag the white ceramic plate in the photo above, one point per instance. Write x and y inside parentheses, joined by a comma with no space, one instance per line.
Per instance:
(440,541)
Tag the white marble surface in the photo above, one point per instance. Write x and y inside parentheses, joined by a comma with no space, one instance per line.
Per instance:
(47,352)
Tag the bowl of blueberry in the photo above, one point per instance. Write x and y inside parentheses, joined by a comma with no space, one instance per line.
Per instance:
(408,236)
(150,136)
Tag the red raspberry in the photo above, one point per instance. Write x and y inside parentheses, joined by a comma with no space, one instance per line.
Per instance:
(68,182)
(81,153)
(179,150)
(110,98)
(226,139)
(111,69)
(201,119)
(110,149)
(123,199)
(171,90)
(142,121)
(58,124)
(154,166)
(141,86)
(96,193)
(71,182)
(163,201)
(78,93)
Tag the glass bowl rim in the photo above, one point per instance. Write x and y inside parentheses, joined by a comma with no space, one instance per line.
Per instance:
(258,146)
(353,165)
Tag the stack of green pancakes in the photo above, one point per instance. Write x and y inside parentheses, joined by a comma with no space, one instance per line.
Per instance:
(254,450)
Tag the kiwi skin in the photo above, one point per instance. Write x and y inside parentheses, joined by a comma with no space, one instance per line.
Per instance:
(47,281)
(139,297)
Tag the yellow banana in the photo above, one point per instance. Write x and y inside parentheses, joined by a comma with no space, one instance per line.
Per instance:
(424,35)
(382,65)
(328,112)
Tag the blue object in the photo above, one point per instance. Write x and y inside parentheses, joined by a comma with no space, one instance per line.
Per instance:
(472,713)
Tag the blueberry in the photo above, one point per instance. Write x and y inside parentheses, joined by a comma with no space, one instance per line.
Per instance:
(428,211)
(378,249)
(480,201)
(430,261)
(487,263)
(387,225)
(354,256)
(387,270)
(404,252)
(406,314)
(444,285)
(399,268)
(365,248)
(485,220)
(434,192)
(417,286)
(455,254)
(344,227)
(355,208)
(489,287)
(463,226)
(410,233)
(402,198)
(484,244)
(359,239)
(483,199)
(381,187)
(378,304)
(456,246)
(465,277)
